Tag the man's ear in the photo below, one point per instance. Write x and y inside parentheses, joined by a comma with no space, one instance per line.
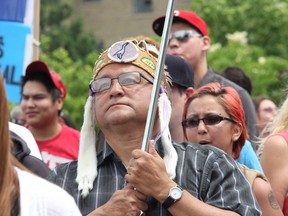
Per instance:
(206,43)
(189,92)
(59,102)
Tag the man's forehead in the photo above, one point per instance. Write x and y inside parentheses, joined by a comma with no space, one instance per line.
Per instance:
(118,68)
(34,87)
(183,26)
(36,94)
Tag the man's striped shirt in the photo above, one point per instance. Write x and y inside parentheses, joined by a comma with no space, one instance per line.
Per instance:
(206,172)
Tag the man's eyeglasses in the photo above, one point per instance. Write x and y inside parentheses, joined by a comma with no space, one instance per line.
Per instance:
(208,120)
(183,35)
(124,79)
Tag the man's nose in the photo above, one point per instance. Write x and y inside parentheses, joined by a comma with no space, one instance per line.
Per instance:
(173,43)
(116,88)
(30,102)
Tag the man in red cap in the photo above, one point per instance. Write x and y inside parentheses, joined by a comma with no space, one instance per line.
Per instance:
(43,93)
(190,40)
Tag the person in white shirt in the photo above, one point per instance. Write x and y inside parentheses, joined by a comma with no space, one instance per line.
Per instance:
(27,136)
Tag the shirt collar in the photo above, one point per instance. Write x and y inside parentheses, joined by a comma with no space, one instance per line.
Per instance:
(107,152)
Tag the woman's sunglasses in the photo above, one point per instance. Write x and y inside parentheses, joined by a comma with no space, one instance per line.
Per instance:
(194,122)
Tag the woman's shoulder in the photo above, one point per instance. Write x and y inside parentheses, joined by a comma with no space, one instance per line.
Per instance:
(37,184)
(275,142)
(42,192)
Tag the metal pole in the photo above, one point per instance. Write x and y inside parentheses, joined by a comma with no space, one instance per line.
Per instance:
(36,30)
(158,75)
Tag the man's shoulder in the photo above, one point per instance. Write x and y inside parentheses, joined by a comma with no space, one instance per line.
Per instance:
(70,135)
(67,167)
(71,130)
(204,157)
(200,150)
(64,171)
(212,76)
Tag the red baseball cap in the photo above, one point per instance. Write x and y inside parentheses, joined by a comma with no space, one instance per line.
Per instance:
(182,16)
(40,66)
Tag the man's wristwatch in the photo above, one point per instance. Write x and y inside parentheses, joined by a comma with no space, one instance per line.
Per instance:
(174,195)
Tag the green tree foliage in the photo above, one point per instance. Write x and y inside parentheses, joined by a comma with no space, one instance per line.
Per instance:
(266,21)
(76,77)
(58,29)
(262,53)
(261,46)
(70,51)
(267,73)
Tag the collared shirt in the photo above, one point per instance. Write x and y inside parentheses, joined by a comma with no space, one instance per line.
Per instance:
(206,172)
(248,106)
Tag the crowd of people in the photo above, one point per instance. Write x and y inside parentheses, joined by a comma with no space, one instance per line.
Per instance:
(213,149)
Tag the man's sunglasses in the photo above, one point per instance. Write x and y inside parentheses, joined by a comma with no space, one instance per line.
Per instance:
(124,79)
(208,120)
(183,35)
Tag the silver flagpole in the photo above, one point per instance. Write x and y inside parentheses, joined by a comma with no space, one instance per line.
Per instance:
(157,79)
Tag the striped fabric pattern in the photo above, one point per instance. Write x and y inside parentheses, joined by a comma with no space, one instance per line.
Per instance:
(204,171)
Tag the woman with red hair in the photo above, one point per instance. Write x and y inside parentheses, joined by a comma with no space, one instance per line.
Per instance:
(214,115)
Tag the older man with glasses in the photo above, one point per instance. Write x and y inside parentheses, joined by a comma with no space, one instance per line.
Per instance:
(122,179)
(190,40)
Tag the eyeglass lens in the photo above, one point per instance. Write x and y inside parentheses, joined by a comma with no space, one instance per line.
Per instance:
(183,35)
(124,79)
(208,120)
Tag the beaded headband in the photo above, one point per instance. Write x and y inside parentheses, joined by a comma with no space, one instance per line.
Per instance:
(140,54)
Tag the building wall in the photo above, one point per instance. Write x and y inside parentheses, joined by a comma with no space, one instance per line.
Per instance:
(112,20)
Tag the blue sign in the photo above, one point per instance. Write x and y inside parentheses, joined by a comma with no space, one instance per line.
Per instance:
(13,40)
(12,10)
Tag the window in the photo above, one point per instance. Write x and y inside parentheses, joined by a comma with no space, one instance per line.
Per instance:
(142,6)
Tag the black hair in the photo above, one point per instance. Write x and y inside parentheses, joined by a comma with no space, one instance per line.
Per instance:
(238,76)
(180,88)
(66,119)
(46,80)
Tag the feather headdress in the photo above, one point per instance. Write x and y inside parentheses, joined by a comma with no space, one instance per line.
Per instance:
(144,55)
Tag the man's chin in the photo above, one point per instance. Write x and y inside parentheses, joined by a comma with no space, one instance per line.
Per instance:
(119,118)
(33,122)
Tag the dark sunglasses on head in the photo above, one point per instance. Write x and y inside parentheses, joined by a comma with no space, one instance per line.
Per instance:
(124,79)
(183,35)
(194,122)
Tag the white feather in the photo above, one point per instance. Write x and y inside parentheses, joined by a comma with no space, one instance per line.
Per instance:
(87,159)
(170,154)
